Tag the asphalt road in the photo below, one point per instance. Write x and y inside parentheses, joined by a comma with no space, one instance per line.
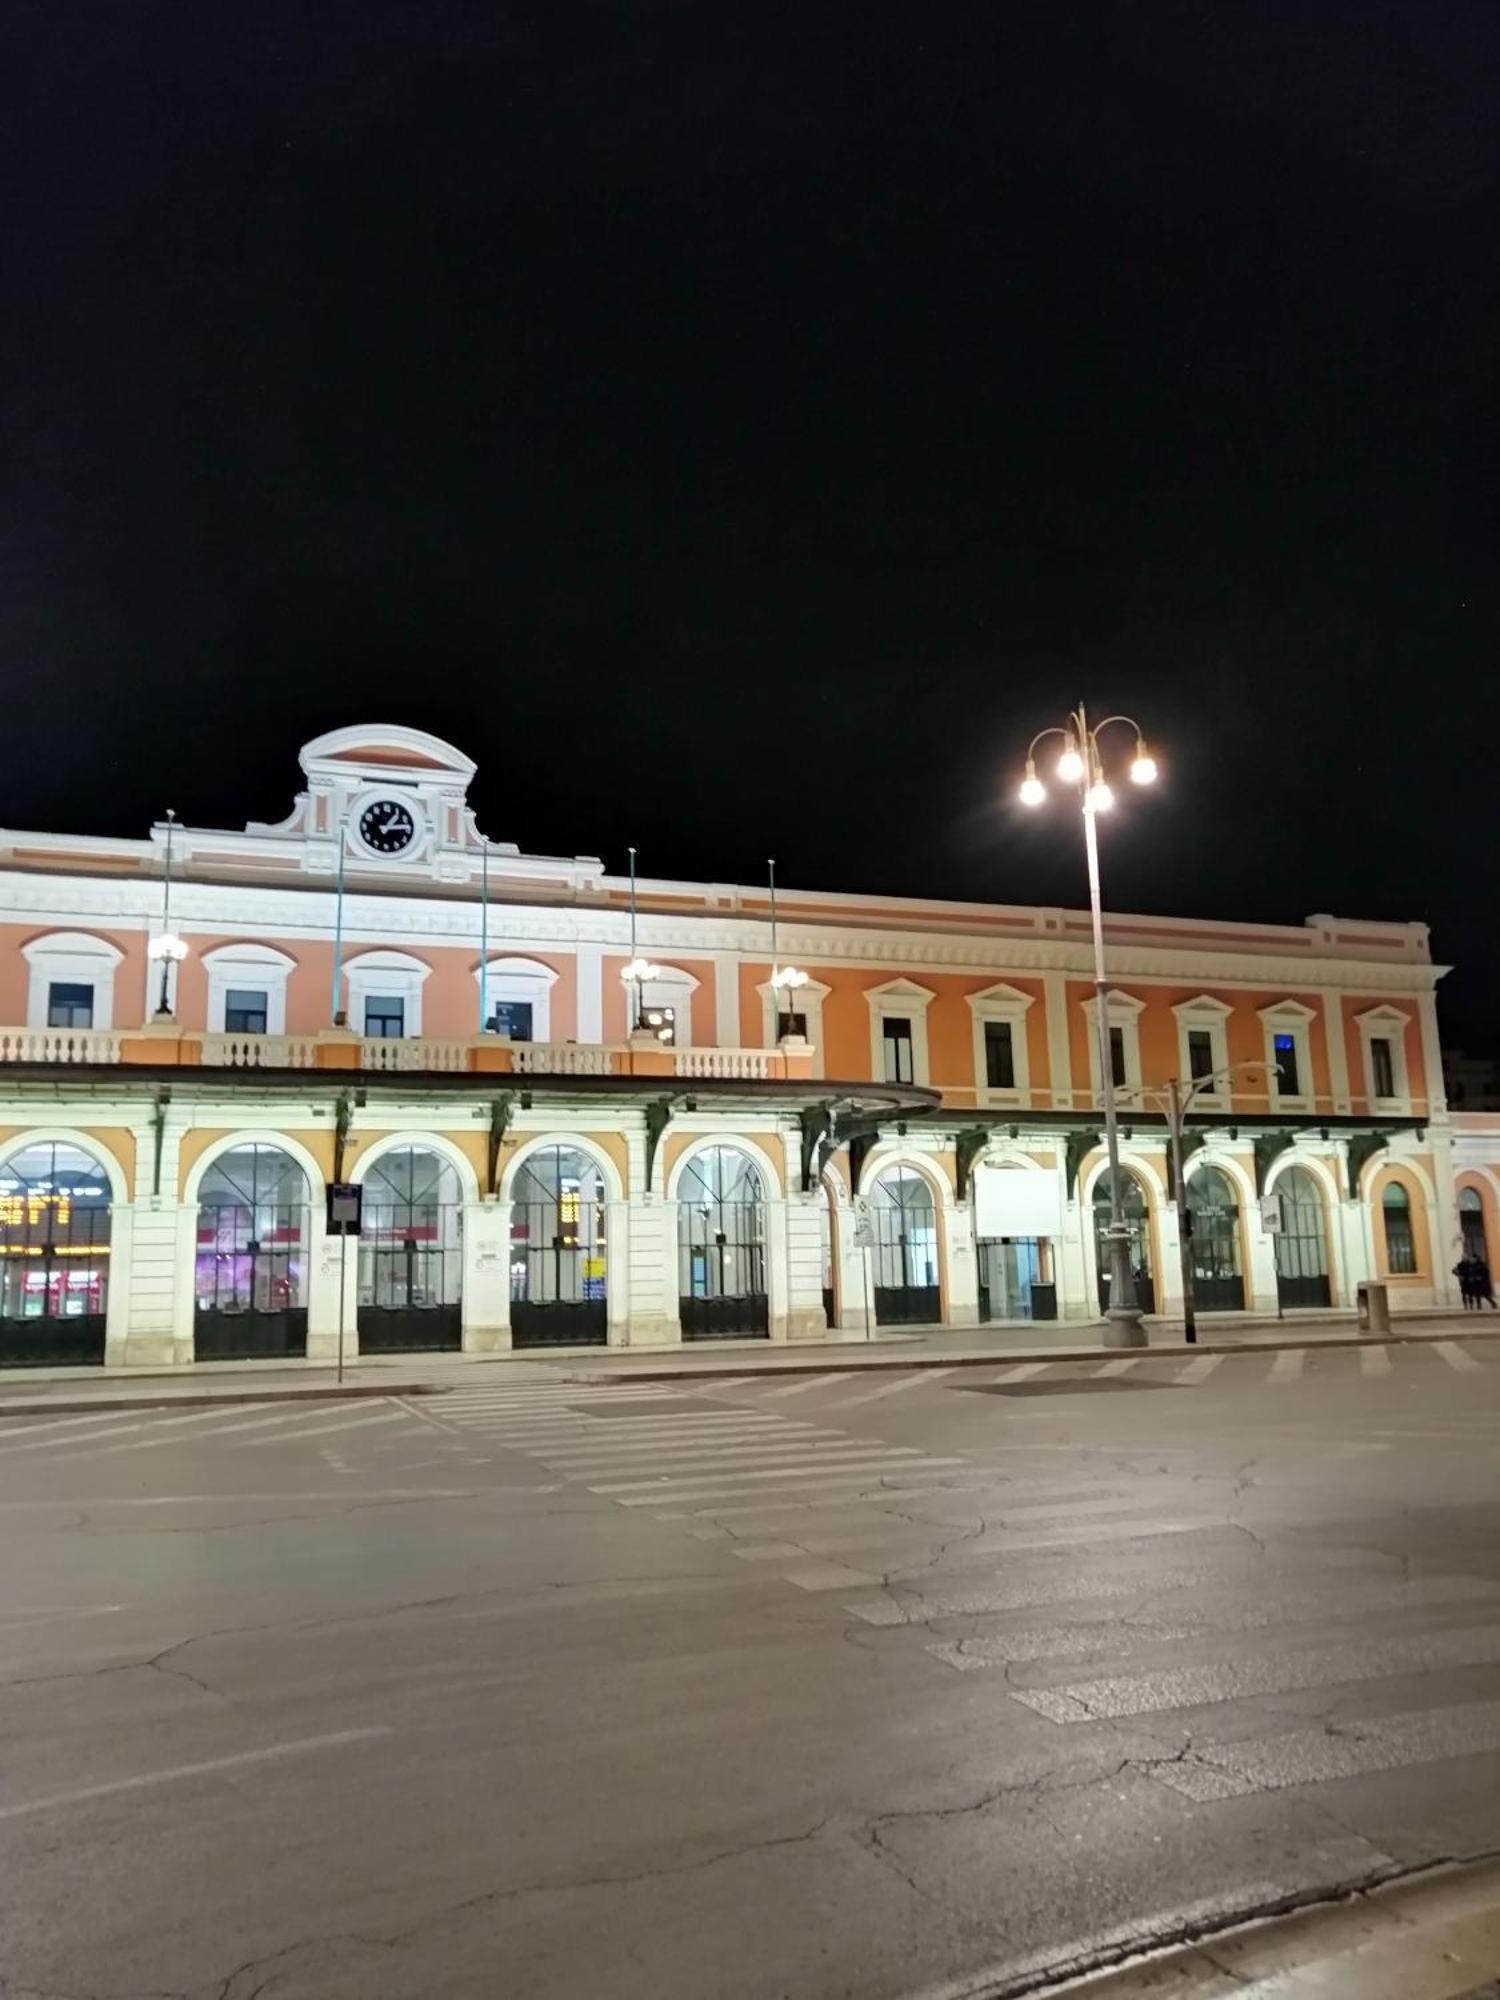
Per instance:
(833,1684)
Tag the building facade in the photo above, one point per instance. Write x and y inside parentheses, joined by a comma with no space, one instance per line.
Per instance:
(578,1120)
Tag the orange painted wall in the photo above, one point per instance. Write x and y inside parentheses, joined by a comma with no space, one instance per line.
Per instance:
(15,972)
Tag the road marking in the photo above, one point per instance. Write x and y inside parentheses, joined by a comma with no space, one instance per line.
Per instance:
(861,1478)
(1022,1374)
(1374,1361)
(300,1748)
(1454,1355)
(358,1424)
(155,1442)
(801,1387)
(153,1420)
(896,1388)
(1120,1367)
(603,1465)
(1200,1369)
(1287,1367)
(60,1423)
(898,1457)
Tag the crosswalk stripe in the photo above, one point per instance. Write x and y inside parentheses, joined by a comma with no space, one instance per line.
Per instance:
(897,1457)
(1199,1369)
(155,1441)
(1374,1361)
(1246,1675)
(896,1388)
(1022,1373)
(153,1420)
(1456,1358)
(1287,1367)
(856,1479)
(574,1461)
(355,1424)
(801,1387)
(60,1423)
(1118,1367)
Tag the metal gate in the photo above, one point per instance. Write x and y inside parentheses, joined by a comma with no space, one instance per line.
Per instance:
(1218,1284)
(1301,1243)
(251,1272)
(558,1289)
(1015,1278)
(54,1258)
(1471,1223)
(410,1255)
(721,1248)
(1137,1222)
(903,1220)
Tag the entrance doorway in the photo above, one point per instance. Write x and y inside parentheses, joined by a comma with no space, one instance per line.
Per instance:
(721,1247)
(1301,1242)
(250,1293)
(1471,1223)
(410,1255)
(558,1285)
(54,1258)
(1218,1283)
(1137,1219)
(1015,1278)
(903,1217)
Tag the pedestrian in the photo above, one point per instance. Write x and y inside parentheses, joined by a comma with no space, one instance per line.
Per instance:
(1483,1283)
(1463,1270)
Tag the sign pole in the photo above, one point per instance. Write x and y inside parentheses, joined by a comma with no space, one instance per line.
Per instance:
(343,1296)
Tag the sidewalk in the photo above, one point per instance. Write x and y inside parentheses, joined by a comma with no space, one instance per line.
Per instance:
(28,1392)
(1430,1936)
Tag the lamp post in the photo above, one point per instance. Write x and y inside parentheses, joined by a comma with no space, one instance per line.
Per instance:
(167,948)
(1081,766)
(785,979)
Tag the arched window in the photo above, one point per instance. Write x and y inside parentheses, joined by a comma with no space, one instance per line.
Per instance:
(1471,1222)
(721,1246)
(1137,1220)
(1400,1238)
(557,1251)
(1301,1242)
(903,1217)
(54,1257)
(251,1268)
(410,1254)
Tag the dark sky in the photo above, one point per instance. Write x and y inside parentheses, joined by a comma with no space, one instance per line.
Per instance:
(740,426)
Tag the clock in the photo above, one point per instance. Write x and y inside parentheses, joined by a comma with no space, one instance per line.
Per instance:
(387,826)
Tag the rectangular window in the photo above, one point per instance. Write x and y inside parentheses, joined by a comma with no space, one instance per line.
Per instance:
(244,1012)
(895,1035)
(1200,1054)
(69,1005)
(1382,1067)
(1117,1057)
(789,1022)
(511,1017)
(661,1022)
(1287,1081)
(999,1056)
(385,1017)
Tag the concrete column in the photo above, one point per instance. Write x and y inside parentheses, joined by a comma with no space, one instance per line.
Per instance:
(963,1264)
(1076,1297)
(1446,1234)
(486,1277)
(590,959)
(652,1279)
(803,1234)
(329,1259)
(1260,1279)
(154,1280)
(1168,1280)
(856,1307)
(617,1272)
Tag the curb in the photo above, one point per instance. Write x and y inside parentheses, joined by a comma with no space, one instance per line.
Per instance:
(1003,1357)
(82,1406)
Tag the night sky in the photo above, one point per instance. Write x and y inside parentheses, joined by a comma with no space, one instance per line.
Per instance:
(739,427)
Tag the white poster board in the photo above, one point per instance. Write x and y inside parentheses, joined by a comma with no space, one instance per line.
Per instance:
(1270,1214)
(1015,1201)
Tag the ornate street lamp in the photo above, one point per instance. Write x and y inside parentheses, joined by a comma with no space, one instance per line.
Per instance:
(1080,766)
(167,948)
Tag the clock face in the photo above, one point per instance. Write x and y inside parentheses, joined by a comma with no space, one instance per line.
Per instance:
(387,826)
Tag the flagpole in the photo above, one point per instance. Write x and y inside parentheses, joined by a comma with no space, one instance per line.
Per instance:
(338,931)
(484,934)
(635,1004)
